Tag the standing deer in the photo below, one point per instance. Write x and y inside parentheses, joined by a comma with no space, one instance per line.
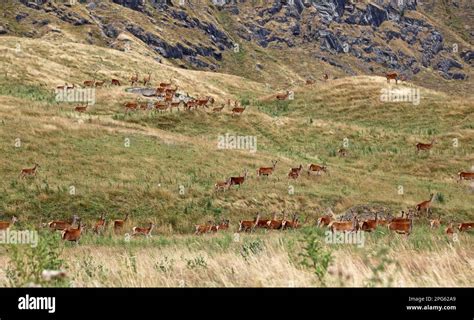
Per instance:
(465,226)
(99,227)
(116,82)
(60,225)
(293,224)
(424,146)
(276,224)
(345,226)
(283,96)
(29,172)
(435,223)
(266,171)
(134,79)
(147,79)
(425,205)
(465,175)
(317,168)
(4,225)
(392,76)
(72,234)
(81,109)
(370,225)
(137,231)
(118,224)
(449,229)
(222,185)
(218,109)
(204,228)
(239,180)
(247,225)
(402,227)
(295,172)
(238,110)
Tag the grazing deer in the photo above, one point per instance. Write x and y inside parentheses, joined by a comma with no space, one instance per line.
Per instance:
(392,76)
(81,109)
(71,234)
(118,224)
(204,228)
(238,110)
(345,226)
(147,79)
(295,172)
(424,146)
(116,82)
(247,225)
(239,180)
(59,225)
(465,175)
(218,109)
(29,172)
(266,171)
(89,83)
(317,168)
(99,225)
(425,205)
(465,226)
(402,227)
(131,106)
(283,96)
(99,84)
(4,225)
(134,79)
(137,231)
(343,152)
(435,223)
(370,225)
(222,185)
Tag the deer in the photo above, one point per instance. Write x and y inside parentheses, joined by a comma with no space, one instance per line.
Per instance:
(138,231)
(118,224)
(89,83)
(165,85)
(81,108)
(131,106)
(238,110)
(392,76)
(5,225)
(60,225)
(204,228)
(175,105)
(465,226)
(370,225)
(424,146)
(224,225)
(239,180)
(345,226)
(161,107)
(147,79)
(116,82)
(249,225)
(222,185)
(319,169)
(134,79)
(325,220)
(275,224)
(343,152)
(29,172)
(72,234)
(310,82)
(425,205)
(325,77)
(402,227)
(100,224)
(465,175)
(449,229)
(266,171)
(283,96)
(99,84)
(295,172)
(218,109)
(263,223)
(293,224)
(435,223)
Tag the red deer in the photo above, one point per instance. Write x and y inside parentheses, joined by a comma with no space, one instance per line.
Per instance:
(118,224)
(247,225)
(293,224)
(99,84)
(160,106)
(134,79)
(392,76)
(99,227)
(263,223)
(465,226)
(275,224)
(4,225)
(89,83)
(218,109)
(325,77)
(317,168)
(130,106)
(424,146)
(238,180)
(175,105)
(325,220)
(204,228)
(449,229)
(204,101)
(435,223)
(137,231)
(238,110)
(425,205)
(309,82)
(165,85)
(343,152)
(266,171)
(59,225)
(72,234)
(345,226)
(81,109)
(370,225)
(222,185)
(116,82)
(465,175)
(146,80)
(29,172)
(283,96)
(295,172)
(224,225)
(402,227)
